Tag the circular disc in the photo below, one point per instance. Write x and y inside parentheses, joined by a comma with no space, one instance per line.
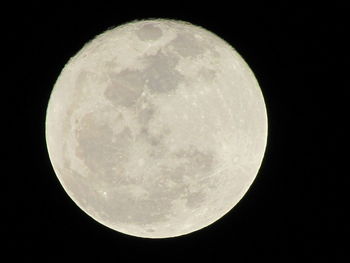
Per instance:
(156,128)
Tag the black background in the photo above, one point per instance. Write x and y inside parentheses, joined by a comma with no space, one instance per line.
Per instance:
(295,210)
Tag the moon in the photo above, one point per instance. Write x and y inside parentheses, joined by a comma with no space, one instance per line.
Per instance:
(156,128)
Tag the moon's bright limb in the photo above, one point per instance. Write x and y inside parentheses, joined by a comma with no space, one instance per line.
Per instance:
(156,128)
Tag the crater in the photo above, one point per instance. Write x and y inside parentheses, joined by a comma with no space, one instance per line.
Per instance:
(149,32)
(152,208)
(124,209)
(156,205)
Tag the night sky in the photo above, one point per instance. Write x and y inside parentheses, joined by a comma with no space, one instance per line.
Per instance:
(295,209)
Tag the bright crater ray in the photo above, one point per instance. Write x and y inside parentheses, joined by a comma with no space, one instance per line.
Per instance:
(156,128)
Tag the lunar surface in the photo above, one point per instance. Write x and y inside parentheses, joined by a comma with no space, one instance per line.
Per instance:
(156,128)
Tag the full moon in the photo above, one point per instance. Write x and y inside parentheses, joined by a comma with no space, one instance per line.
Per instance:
(156,128)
